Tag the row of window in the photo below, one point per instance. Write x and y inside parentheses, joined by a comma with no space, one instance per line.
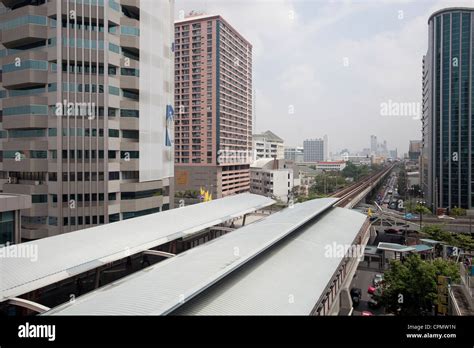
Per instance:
(52,87)
(24,20)
(95,197)
(94,176)
(77,154)
(129,31)
(83,43)
(19,155)
(93,69)
(26,110)
(34,133)
(27,64)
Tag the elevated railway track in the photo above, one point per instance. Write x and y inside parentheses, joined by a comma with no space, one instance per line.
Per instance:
(353,194)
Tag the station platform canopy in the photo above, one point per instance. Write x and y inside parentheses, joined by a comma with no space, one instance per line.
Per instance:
(60,257)
(291,278)
(395,247)
(280,253)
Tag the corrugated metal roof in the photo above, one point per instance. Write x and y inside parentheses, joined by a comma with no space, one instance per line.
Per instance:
(66,255)
(290,278)
(165,286)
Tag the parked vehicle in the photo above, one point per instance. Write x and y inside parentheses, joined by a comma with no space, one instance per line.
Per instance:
(371,290)
(356,295)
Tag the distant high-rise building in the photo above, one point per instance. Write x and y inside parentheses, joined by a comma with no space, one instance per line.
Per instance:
(295,154)
(414,150)
(448,103)
(268,145)
(394,154)
(213,103)
(86,95)
(373,144)
(326,148)
(315,150)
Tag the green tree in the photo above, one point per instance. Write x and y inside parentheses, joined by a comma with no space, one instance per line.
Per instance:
(355,172)
(460,240)
(325,184)
(350,170)
(402,182)
(409,287)
(458,211)
(421,209)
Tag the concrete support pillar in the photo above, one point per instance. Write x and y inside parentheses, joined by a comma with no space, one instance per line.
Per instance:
(17,232)
(345,300)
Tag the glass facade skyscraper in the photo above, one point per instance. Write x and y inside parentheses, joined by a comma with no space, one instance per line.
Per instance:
(448,96)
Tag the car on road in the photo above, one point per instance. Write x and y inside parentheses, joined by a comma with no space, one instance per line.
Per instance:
(371,290)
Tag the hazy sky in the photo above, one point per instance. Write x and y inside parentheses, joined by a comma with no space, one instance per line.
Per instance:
(335,62)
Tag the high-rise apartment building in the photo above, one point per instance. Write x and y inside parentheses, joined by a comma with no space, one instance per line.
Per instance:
(448,110)
(213,104)
(315,150)
(86,95)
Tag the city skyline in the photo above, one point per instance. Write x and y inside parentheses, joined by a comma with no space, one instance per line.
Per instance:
(371,68)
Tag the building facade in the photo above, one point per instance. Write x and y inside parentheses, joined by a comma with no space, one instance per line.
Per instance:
(315,150)
(448,110)
(10,217)
(86,93)
(295,154)
(373,144)
(268,145)
(272,178)
(414,150)
(213,103)
(333,166)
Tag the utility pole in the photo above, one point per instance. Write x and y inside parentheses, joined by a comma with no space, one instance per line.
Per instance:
(421,218)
